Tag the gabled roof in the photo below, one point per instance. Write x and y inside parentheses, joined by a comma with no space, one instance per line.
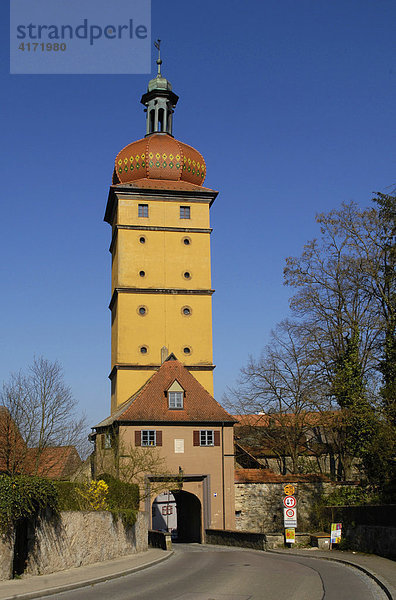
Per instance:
(150,403)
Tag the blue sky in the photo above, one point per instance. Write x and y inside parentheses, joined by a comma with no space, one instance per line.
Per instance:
(291,102)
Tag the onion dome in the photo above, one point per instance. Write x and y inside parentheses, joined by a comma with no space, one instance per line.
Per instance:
(159,155)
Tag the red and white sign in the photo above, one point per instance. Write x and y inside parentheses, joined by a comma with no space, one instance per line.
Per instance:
(289,501)
(290,517)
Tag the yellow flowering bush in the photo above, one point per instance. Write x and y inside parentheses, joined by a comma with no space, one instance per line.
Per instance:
(95,494)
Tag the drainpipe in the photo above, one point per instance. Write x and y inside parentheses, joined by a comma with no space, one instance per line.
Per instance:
(222,470)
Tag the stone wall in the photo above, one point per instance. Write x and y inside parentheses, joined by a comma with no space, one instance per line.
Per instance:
(258,506)
(367,528)
(75,539)
(6,555)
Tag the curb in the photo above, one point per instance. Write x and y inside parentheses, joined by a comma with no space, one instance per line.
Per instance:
(382,584)
(87,582)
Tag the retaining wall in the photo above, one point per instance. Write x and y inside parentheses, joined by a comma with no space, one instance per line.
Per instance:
(75,539)
(258,506)
(367,528)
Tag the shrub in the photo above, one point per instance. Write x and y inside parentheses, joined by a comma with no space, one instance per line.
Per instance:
(69,497)
(351,495)
(23,496)
(95,494)
(121,495)
(122,499)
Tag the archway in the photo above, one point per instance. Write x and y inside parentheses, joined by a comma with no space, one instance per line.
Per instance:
(178,512)
(188,509)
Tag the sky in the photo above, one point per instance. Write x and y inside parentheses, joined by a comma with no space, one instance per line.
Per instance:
(292,104)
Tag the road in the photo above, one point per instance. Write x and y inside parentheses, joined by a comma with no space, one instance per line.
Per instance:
(198,572)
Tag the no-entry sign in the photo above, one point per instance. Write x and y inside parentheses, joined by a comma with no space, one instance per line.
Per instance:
(289,501)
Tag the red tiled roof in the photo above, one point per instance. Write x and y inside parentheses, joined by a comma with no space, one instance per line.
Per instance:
(268,476)
(57,462)
(309,418)
(163,184)
(150,403)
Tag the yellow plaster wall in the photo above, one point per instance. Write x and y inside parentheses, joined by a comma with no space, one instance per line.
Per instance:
(162,213)
(164,324)
(163,257)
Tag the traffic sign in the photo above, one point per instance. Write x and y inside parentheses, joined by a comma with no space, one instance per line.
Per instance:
(289,501)
(290,517)
(289,489)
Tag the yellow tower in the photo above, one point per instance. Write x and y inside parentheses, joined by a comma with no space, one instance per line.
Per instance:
(161,298)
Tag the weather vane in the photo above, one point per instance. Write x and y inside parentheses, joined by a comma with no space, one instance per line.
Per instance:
(157,44)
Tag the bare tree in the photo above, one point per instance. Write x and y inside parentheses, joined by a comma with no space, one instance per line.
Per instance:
(282,388)
(123,460)
(40,414)
(345,298)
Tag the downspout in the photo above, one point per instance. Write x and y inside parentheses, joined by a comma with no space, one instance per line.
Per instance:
(222,471)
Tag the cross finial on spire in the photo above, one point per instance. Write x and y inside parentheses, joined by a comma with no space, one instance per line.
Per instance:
(157,44)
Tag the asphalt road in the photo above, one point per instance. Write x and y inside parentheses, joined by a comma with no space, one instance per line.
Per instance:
(216,573)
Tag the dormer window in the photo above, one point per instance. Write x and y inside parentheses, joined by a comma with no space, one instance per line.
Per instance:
(175,399)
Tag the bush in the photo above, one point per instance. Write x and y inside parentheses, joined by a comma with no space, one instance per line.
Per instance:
(69,496)
(351,495)
(23,496)
(95,493)
(122,499)
(121,495)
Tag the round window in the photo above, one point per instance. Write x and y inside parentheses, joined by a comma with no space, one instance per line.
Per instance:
(143,349)
(142,239)
(142,273)
(186,241)
(187,275)
(142,310)
(187,350)
(186,311)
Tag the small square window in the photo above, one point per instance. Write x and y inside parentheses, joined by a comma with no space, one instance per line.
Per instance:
(185,212)
(206,437)
(143,210)
(175,399)
(149,438)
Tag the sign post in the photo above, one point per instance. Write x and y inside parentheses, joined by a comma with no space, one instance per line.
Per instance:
(335,534)
(289,514)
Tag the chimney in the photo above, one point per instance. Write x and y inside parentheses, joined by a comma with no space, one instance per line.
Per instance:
(164,354)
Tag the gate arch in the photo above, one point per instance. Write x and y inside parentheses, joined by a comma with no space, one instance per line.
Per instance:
(179,512)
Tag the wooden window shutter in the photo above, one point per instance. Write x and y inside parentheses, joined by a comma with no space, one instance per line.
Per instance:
(158,438)
(217,438)
(138,438)
(195,438)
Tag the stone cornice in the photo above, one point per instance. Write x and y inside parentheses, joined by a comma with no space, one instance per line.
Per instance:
(170,291)
(155,367)
(117,191)
(153,228)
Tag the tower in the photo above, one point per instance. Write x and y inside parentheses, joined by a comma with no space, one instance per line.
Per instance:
(161,278)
